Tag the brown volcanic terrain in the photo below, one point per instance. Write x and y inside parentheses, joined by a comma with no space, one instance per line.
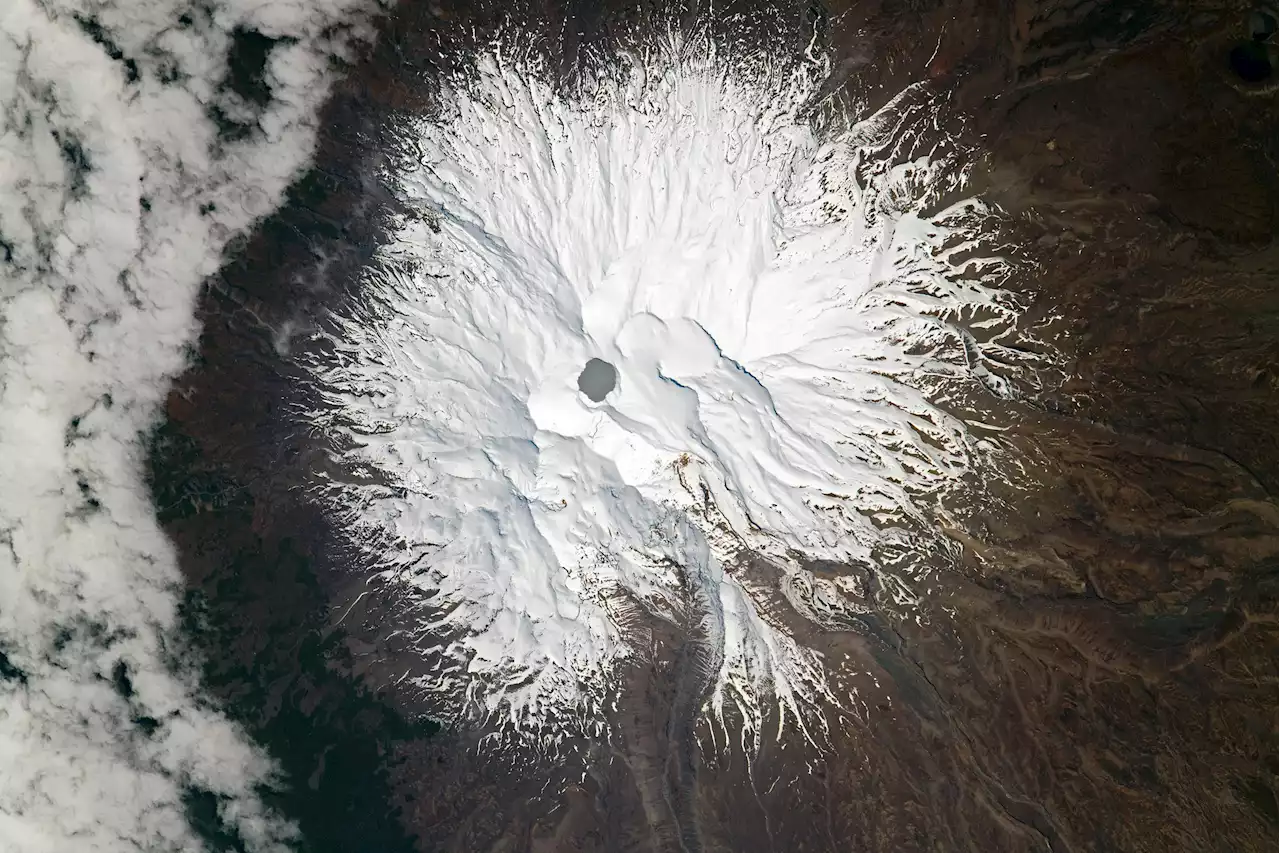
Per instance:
(1096,674)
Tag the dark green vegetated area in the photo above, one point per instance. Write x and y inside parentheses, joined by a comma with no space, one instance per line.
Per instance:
(257,613)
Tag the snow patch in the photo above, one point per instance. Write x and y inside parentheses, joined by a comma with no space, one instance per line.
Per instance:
(776,303)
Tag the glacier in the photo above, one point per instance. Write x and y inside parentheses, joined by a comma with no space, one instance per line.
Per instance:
(778,281)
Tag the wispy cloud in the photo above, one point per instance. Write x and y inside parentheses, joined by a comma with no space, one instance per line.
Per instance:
(135,140)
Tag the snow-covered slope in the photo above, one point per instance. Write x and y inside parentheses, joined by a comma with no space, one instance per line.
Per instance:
(774,299)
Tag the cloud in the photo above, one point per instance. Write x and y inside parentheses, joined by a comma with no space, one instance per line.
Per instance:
(130,153)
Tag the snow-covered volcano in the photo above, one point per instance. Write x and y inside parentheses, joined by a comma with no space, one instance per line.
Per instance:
(775,304)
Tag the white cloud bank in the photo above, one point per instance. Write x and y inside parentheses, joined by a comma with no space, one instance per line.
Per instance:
(115,202)
(774,303)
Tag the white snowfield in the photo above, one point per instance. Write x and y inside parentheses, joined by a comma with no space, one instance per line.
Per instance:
(774,324)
